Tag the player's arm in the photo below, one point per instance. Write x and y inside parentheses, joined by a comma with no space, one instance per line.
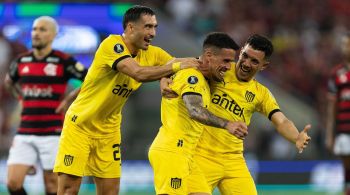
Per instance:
(287,129)
(12,87)
(67,101)
(197,112)
(131,68)
(330,120)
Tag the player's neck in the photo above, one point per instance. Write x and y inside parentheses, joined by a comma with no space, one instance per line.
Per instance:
(42,53)
(133,50)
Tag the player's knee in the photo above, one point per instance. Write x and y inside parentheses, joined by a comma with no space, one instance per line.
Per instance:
(14,185)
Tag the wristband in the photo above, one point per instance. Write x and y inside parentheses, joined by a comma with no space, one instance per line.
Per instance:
(176,67)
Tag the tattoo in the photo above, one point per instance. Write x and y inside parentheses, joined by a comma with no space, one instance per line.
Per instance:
(194,104)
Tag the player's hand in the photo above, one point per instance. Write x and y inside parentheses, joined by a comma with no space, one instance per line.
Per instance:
(303,139)
(189,63)
(238,129)
(165,90)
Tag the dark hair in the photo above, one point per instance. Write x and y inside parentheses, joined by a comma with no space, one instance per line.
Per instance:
(134,13)
(220,40)
(260,43)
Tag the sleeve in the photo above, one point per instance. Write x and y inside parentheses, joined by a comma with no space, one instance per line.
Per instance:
(74,69)
(268,105)
(13,71)
(111,52)
(189,81)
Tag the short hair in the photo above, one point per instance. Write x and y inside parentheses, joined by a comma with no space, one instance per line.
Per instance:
(134,13)
(219,40)
(261,43)
(49,19)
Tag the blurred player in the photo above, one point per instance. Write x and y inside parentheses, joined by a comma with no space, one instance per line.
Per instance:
(91,141)
(171,152)
(38,79)
(338,113)
(219,154)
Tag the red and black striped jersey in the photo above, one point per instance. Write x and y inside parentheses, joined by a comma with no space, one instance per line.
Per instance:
(43,83)
(339,85)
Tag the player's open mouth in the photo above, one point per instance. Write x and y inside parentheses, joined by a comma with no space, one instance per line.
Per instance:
(243,69)
(148,40)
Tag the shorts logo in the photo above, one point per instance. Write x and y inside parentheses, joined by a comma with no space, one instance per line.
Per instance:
(192,80)
(249,96)
(118,48)
(68,160)
(175,182)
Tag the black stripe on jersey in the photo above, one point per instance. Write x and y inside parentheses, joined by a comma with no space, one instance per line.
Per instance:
(115,63)
(54,96)
(45,80)
(344,85)
(38,111)
(343,122)
(191,93)
(341,110)
(273,112)
(41,124)
(39,133)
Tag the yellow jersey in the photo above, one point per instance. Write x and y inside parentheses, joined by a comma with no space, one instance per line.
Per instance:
(179,133)
(97,109)
(235,101)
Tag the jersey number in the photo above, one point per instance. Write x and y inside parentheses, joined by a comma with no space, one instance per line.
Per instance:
(116,152)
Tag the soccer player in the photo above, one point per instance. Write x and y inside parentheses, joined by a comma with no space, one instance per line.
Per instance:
(183,117)
(38,79)
(219,154)
(90,141)
(338,118)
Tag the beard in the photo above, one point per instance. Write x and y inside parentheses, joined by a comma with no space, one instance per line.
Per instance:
(38,46)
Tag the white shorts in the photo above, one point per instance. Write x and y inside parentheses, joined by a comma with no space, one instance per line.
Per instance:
(29,149)
(342,144)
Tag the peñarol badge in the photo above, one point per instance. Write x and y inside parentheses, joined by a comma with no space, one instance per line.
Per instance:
(192,80)
(118,48)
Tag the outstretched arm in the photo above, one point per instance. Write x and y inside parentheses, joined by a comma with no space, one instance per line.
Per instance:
(197,112)
(131,68)
(287,129)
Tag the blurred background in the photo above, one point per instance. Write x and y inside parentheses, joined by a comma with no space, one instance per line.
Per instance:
(306,37)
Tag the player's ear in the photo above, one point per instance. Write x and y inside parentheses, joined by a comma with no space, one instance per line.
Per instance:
(265,65)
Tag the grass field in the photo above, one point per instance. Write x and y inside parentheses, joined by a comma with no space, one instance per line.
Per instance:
(262,190)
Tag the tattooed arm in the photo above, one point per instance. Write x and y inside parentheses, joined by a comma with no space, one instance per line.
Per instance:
(197,112)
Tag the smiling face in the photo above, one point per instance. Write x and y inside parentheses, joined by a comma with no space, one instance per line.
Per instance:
(218,62)
(250,62)
(143,31)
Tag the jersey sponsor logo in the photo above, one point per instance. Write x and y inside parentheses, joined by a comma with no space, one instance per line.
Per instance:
(122,91)
(27,59)
(50,69)
(118,48)
(68,160)
(345,94)
(192,80)
(228,104)
(36,91)
(175,182)
(52,59)
(249,96)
